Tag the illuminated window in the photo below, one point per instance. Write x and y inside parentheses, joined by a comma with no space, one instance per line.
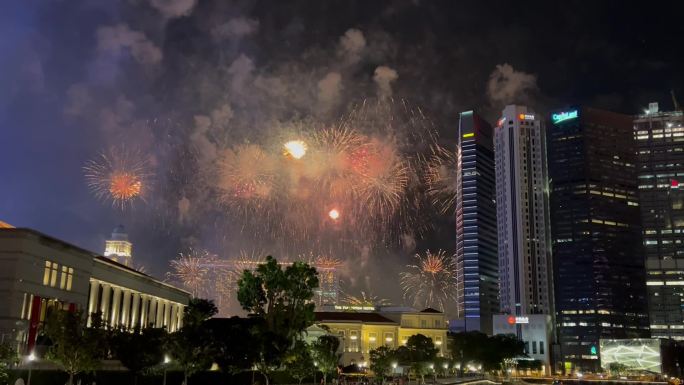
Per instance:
(66,278)
(46,274)
(389,338)
(354,341)
(50,274)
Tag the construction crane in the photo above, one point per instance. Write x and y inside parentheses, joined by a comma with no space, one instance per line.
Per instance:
(674,101)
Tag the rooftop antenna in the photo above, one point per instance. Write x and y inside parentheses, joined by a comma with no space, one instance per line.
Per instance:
(674,101)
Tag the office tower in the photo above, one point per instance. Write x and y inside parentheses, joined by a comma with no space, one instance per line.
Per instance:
(476,258)
(524,247)
(118,248)
(522,211)
(660,143)
(595,223)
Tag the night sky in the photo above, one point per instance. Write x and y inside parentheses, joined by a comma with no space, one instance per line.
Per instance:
(79,77)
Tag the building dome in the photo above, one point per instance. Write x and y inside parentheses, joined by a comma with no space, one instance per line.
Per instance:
(119,233)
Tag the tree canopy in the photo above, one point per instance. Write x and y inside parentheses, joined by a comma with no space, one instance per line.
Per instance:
(282,300)
(74,347)
(381,360)
(139,349)
(191,345)
(490,352)
(325,354)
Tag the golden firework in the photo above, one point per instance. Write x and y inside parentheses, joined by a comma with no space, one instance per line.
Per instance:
(365,299)
(246,173)
(441,173)
(295,148)
(431,282)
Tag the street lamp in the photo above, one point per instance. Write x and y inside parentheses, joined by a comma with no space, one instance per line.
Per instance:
(31,357)
(315,368)
(167,360)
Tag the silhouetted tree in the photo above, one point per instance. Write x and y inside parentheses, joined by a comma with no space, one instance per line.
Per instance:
(282,299)
(190,346)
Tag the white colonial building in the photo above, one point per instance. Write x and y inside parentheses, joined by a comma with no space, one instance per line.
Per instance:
(38,273)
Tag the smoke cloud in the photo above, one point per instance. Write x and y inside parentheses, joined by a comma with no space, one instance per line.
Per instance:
(351,46)
(113,40)
(173,8)
(235,28)
(506,85)
(383,77)
(329,89)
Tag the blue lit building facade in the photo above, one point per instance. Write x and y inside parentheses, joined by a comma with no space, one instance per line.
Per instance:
(476,244)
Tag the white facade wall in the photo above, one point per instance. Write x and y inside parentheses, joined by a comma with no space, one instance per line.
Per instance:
(82,280)
(524,247)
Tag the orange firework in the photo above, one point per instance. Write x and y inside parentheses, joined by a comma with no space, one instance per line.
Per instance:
(118,175)
(124,186)
(384,178)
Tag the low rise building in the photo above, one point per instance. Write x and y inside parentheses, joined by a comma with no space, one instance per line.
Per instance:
(534,330)
(362,329)
(40,272)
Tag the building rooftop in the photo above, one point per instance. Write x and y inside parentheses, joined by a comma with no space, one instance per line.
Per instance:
(351,317)
(97,257)
(430,310)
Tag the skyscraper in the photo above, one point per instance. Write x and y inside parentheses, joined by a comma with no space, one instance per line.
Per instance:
(476,256)
(118,248)
(522,211)
(598,259)
(660,142)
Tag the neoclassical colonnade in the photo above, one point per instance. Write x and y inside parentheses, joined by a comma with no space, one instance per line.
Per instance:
(122,307)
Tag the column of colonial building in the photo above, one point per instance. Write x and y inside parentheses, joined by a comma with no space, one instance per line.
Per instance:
(126,308)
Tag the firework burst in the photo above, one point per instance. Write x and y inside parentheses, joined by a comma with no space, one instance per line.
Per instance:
(383,182)
(191,271)
(440,174)
(118,175)
(364,299)
(431,282)
(246,174)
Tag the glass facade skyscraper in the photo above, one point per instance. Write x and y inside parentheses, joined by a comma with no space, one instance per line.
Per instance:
(476,257)
(598,257)
(660,141)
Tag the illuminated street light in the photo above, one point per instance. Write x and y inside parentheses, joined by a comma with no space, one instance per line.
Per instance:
(31,357)
(167,360)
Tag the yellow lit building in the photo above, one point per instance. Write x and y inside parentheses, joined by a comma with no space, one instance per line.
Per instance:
(118,248)
(361,330)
